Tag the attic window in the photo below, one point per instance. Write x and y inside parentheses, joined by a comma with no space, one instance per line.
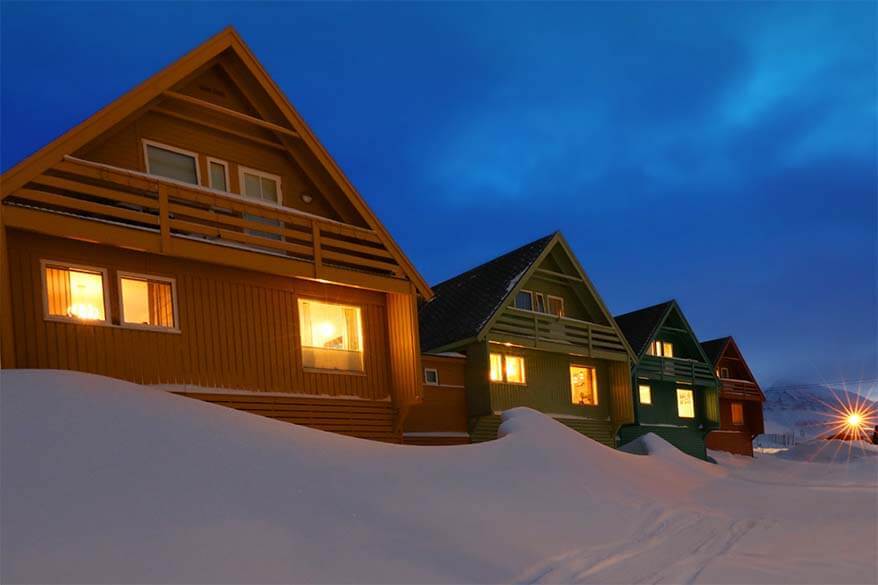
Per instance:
(723,372)
(170,162)
(661,349)
(556,305)
(524,300)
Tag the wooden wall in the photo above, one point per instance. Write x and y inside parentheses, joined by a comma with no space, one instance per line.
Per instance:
(731,441)
(443,409)
(403,351)
(238,329)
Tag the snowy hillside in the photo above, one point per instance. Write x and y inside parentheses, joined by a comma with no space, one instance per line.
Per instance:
(106,481)
(795,413)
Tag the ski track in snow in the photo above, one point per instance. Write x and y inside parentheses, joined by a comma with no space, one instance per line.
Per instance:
(694,539)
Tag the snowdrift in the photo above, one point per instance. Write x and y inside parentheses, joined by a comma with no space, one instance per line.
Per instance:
(111,482)
(835,451)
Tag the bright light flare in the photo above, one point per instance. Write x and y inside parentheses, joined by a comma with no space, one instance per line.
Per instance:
(852,420)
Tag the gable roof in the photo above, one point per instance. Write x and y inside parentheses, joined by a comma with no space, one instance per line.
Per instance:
(640,326)
(163,81)
(464,304)
(715,348)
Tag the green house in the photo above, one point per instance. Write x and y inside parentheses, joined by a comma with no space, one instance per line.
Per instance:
(535,333)
(675,387)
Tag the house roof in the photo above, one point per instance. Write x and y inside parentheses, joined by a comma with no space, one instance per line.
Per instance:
(640,326)
(156,86)
(462,305)
(714,348)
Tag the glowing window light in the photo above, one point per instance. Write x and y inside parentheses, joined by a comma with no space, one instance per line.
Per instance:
(645,392)
(74,293)
(583,385)
(685,403)
(515,369)
(331,336)
(496,367)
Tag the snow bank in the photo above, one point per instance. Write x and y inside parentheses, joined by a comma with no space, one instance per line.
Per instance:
(106,481)
(835,451)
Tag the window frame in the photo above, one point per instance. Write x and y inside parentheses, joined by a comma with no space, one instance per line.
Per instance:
(427,381)
(225,165)
(549,299)
(503,378)
(732,406)
(721,370)
(540,299)
(360,330)
(242,170)
(640,388)
(105,278)
(594,379)
(120,274)
(691,392)
(147,142)
(532,300)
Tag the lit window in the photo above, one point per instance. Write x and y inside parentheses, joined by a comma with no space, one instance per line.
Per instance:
(332,336)
(524,300)
(514,369)
(170,162)
(645,394)
(723,372)
(662,349)
(219,174)
(147,301)
(737,413)
(556,305)
(685,403)
(74,293)
(507,368)
(583,385)
(540,304)
(496,367)
(431,376)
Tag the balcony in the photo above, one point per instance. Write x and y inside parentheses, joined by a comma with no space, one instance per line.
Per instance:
(542,330)
(115,206)
(740,390)
(676,370)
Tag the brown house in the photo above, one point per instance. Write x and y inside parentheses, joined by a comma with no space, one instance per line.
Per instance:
(194,233)
(740,399)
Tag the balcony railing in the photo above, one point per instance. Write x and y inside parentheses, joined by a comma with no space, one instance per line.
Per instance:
(178,211)
(740,389)
(542,328)
(676,369)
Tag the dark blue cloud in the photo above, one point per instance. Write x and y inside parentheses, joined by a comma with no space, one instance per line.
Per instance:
(723,154)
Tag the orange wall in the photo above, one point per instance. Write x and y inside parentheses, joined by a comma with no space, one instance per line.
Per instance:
(444,406)
(239,329)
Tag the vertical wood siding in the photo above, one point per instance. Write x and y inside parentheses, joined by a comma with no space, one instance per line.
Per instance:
(238,329)
(404,349)
(622,405)
(443,409)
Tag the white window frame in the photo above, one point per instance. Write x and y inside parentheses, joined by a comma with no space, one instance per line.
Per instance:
(640,388)
(225,165)
(536,304)
(195,155)
(677,396)
(137,275)
(427,381)
(563,308)
(105,280)
(533,302)
(264,175)
(721,370)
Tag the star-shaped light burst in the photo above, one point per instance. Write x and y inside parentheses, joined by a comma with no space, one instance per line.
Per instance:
(852,418)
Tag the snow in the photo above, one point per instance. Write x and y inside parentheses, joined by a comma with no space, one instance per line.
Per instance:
(107,481)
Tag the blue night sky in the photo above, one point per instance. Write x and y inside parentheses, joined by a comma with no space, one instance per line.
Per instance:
(723,154)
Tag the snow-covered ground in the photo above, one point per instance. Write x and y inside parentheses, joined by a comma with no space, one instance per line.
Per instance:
(105,481)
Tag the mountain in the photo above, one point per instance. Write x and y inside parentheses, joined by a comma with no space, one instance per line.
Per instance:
(798,412)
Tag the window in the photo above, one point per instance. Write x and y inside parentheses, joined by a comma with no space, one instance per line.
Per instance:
(556,305)
(662,349)
(723,372)
(263,187)
(685,403)
(645,393)
(524,300)
(583,385)
(170,162)
(507,368)
(431,376)
(514,369)
(147,301)
(737,413)
(219,174)
(331,335)
(540,304)
(74,292)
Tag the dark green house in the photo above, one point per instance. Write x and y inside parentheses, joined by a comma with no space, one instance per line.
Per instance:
(535,333)
(675,387)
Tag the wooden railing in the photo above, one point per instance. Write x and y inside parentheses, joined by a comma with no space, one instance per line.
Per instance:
(175,210)
(741,389)
(676,369)
(546,328)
